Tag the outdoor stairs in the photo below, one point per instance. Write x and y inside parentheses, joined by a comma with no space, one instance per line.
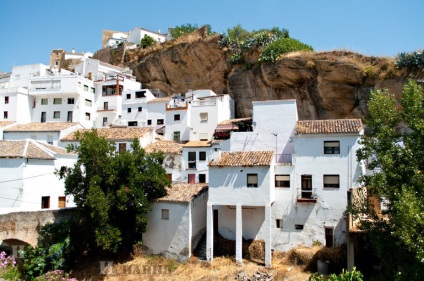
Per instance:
(200,251)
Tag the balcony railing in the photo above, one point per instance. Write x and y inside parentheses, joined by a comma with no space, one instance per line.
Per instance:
(107,108)
(192,164)
(307,195)
(283,159)
(203,102)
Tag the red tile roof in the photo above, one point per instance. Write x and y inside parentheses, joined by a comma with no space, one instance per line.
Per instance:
(198,144)
(30,149)
(332,126)
(165,146)
(41,127)
(127,133)
(184,192)
(250,158)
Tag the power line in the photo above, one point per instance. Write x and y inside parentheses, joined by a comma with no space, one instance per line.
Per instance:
(26,178)
(18,200)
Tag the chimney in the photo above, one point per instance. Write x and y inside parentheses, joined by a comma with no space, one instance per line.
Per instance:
(73,50)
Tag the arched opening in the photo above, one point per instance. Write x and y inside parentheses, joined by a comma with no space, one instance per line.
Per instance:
(12,247)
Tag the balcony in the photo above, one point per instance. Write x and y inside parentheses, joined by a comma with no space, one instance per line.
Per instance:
(107,108)
(192,164)
(177,105)
(307,195)
(285,159)
(211,102)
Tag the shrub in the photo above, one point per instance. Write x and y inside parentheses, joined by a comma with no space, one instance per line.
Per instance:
(281,46)
(8,268)
(353,275)
(183,29)
(414,60)
(57,275)
(147,41)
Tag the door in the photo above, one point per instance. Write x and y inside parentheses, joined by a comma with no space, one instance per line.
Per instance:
(43,117)
(306,186)
(70,116)
(191,178)
(106,105)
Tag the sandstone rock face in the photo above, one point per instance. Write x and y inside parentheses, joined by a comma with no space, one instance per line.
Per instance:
(326,85)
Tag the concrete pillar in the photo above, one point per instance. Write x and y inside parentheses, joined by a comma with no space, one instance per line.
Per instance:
(350,252)
(239,234)
(209,232)
(267,232)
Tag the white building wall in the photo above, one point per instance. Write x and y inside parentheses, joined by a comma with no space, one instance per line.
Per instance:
(18,99)
(44,137)
(201,165)
(173,164)
(137,34)
(11,184)
(198,218)
(182,125)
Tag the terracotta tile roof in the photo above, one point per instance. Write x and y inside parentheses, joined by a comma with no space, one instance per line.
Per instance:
(41,127)
(332,126)
(5,123)
(30,149)
(198,144)
(165,146)
(240,158)
(165,99)
(127,133)
(226,122)
(184,192)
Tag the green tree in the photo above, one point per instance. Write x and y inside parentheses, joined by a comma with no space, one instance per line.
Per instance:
(238,33)
(280,46)
(183,29)
(394,149)
(147,41)
(113,191)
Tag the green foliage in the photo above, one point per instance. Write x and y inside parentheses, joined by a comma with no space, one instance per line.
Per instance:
(414,60)
(280,46)
(183,29)
(397,154)
(8,267)
(353,275)
(147,41)
(57,275)
(113,191)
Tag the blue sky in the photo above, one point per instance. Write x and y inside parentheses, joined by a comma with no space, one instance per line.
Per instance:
(32,28)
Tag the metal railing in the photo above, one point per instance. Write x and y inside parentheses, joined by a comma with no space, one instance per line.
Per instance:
(307,194)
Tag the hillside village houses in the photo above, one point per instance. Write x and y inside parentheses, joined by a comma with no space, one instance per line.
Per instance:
(271,177)
(114,38)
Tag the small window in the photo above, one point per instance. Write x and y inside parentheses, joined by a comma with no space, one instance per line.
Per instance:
(192,160)
(279,223)
(140,94)
(128,96)
(104,121)
(140,109)
(5,115)
(70,116)
(56,115)
(129,110)
(71,101)
(202,178)
(329,236)
(6,100)
(282,181)
(88,102)
(202,155)
(87,116)
(298,226)
(165,214)
(132,123)
(106,105)
(92,90)
(45,202)
(177,117)
(56,63)
(252,180)
(204,117)
(149,122)
(44,101)
(122,147)
(62,201)
(159,122)
(332,181)
(203,136)
(57,101)
(86,88)
(331,147)
(176,136)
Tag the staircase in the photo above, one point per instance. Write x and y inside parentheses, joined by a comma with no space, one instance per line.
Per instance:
(200,251)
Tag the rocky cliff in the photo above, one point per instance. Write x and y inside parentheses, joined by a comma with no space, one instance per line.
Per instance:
(326,85)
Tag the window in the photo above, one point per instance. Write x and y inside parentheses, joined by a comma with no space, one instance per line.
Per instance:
(282,181)
(140,109)
(57,101)
(204,117)
(202,178)
(140,94)
(106,105)
(332,181)
(128,96)
(56,63)
(149,122)
(45,202)
(62,201)
(192,160)
(177,117)
(56,115)
(71,101)
(122,147)
(203,136)
(92,90)
(252,180)
(86,88)
(306,181)
(132,123)
(169,177)
(159,122)
(87,116)
(88,102)
(165,214)
(202,155)
(44,101)
(70,116)
(329,237)
(43,117)
(279,223)
(298,226)
(129,110)
(5,115)
(331,147)
(6,100)
(176,135)
(104,121)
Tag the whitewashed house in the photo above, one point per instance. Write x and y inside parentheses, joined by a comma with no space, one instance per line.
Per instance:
(48,132)
(156,110)
(196,155)
(28,182)
(136,34)
(177,221)
(115,39)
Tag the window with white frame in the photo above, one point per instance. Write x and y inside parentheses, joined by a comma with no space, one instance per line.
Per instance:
(57,101)
(332,181)
(252,180)
(176,135)
(44,101)
(282,181)
(204,117)
(56,115)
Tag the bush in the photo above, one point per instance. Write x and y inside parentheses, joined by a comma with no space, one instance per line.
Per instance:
(414,60)
(57,275)
(8,268)
(281,46)
(183,29)
(353,275)
(147,41)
